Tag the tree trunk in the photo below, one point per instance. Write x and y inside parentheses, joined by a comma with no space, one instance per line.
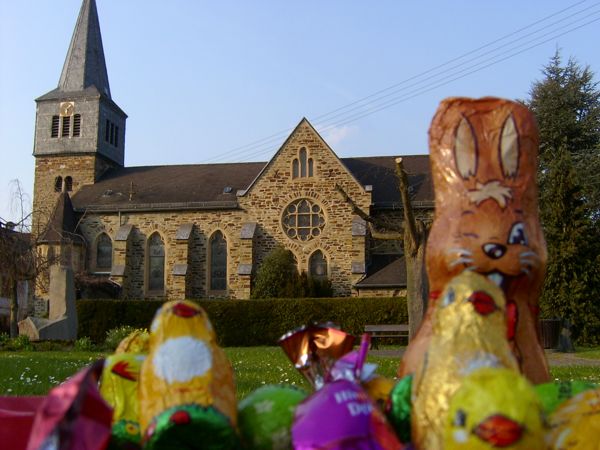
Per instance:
(415,238)
(417,287)
(14,310)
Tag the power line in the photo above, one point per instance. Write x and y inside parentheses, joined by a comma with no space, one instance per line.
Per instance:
(390,96)
(444,81)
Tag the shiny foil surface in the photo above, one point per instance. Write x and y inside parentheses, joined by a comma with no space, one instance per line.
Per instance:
(494,408)
(119,387)
(469,332)
(575,425)
(313,349)
(187,376)
(483,154)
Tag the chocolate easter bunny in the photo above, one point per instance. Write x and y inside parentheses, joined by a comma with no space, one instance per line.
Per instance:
(483,163)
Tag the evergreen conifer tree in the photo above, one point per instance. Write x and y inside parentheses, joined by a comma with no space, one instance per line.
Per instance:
(567,107)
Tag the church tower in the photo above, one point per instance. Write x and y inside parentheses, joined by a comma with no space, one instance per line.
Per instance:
(79,129)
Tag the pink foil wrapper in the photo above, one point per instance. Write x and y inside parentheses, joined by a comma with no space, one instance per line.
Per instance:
(341,416)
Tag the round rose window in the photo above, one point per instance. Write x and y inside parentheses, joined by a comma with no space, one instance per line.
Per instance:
(303,220)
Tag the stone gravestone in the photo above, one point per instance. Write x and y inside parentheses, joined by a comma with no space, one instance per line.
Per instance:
(62,318)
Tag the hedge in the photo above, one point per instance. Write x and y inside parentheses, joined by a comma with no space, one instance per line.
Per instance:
(241,323)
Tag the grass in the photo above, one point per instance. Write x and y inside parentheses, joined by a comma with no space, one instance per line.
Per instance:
(589,352)
(34,373)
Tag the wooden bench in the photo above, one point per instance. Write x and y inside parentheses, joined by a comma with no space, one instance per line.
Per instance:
(386,331)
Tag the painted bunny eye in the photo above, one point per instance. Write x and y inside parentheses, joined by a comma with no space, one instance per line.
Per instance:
(449,297)
(460,418)
(509,148)
(465,149)
(517,234)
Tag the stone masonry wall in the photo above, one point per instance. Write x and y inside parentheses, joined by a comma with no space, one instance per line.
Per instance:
(263,204)
(275,189)
(83,169)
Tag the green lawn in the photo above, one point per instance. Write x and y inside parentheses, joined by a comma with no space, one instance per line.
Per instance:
(589,352)
(34,373)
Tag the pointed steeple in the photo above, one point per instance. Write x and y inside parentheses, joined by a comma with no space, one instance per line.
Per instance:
(85,65)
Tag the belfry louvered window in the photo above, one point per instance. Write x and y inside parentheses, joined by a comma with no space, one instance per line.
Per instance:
(77,125)
(58,184)
(68,184)
(55,126)
(66,126)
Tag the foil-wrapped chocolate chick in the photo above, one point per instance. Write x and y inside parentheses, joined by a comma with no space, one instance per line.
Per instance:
(469,332)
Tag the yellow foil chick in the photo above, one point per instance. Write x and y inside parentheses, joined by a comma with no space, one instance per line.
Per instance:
(494,408)
(379,388)
(184,365)
(135,342)
(469,332)
(575,425)
(119,387)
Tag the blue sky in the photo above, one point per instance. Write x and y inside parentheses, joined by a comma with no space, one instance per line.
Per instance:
(200,80)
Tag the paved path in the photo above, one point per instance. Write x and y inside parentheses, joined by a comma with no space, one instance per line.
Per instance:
(554,358)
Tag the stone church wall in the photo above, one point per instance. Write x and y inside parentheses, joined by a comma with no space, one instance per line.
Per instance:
(262,205)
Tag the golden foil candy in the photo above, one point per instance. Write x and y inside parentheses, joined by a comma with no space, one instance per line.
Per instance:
(469,332)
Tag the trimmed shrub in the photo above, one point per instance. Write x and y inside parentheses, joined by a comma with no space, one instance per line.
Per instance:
(114,336)
(277,276)
(84,344)
(18,343)
(248,322)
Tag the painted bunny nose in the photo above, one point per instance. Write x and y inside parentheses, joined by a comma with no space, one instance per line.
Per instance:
(494,251)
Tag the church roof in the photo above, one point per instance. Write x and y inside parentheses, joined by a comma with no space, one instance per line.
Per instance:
(214,186)
(84,70)
(385,274)
(62,224)
(380,173)
(199,186)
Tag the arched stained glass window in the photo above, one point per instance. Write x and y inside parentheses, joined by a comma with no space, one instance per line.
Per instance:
(58,181)
(303,165)
(303,162)
(156,263)
(68,184)
(104,252)
(318,265)
(218,262)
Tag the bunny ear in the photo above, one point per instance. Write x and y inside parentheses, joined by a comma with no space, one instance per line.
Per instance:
(509,148)
(465,149)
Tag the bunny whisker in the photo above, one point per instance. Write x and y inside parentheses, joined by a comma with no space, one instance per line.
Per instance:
(530,263)
(460,261)
(459,251)
(527,254)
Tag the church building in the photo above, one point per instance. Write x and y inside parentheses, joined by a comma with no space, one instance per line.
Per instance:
(202,231)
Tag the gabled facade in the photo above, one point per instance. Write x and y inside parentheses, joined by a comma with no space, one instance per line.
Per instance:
(203,230)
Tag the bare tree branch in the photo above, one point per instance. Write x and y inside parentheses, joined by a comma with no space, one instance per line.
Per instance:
(411,233)
(379,228)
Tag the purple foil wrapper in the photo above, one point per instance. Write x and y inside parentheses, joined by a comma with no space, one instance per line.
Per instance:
(341,416)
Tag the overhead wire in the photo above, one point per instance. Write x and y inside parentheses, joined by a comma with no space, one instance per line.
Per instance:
(391,95)
(324,128)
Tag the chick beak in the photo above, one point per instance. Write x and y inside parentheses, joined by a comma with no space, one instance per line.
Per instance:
(483,303)
(499,431)
(185,311)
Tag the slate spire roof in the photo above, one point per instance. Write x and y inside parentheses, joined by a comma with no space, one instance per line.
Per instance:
(85,65)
